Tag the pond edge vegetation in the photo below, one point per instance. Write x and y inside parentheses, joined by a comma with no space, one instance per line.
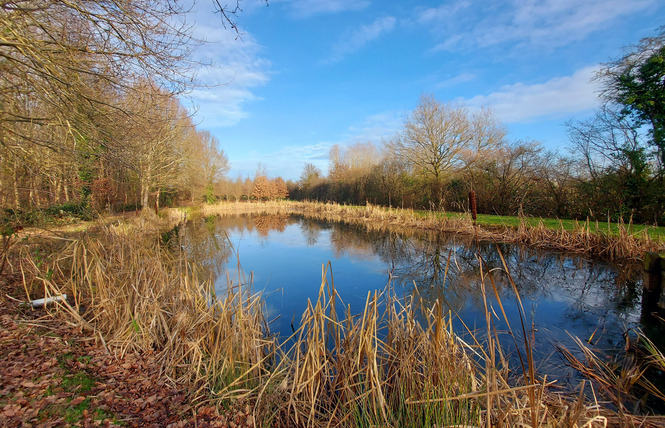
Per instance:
(613,241)
(134,290)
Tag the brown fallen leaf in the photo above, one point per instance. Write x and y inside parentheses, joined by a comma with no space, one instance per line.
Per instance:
(77,400)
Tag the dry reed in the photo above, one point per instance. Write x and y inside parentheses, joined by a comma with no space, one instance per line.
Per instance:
(625,379)
(395,363)
(139,296)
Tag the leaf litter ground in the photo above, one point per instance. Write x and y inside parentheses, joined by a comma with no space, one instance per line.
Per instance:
(52,375)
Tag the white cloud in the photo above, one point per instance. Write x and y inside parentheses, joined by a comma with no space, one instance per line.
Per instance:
(287,162)
(307,8)
(357,39)
(441,13)
(557,97)
(543,24)
(236,69)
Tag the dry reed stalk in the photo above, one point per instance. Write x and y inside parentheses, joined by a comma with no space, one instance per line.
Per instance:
(396,365)
(368,368)
(620,378)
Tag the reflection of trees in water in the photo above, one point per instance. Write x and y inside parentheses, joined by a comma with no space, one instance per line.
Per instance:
(206,239)
(311,229)
(585,285)
(440,267)
(266,223)
(354,241)
(422,259)
(207,246)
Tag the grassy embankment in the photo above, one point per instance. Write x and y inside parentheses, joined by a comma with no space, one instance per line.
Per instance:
(609,228)
(134,290)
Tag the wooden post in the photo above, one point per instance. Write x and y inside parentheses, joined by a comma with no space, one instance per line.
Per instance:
(473,207)
(652,287)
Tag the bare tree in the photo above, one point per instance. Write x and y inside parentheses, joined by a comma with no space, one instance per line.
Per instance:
(487,136)
(153,141)
(512,176)
(603,142)
(206,164)
(438,139)
(67,71)
(433,140)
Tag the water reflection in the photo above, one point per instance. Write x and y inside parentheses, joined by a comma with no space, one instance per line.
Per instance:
(207,244)
(562,295)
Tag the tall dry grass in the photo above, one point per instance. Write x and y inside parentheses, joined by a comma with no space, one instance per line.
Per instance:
(626,380)
(135,294)
(585,238)
(381,367)
(397,362)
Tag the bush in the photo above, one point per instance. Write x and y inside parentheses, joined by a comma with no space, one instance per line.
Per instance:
(55,214)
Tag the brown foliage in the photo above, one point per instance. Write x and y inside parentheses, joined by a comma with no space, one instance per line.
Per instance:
(265,189)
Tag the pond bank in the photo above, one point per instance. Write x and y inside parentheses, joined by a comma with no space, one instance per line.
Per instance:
(585,239)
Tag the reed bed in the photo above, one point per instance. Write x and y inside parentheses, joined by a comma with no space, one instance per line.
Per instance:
(400,364)
(395,362)
(134,294)
(624,380)
(587,238)
(379,368)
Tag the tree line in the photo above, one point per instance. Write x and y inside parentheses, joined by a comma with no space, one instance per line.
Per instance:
(89,109)
(614,169)
(90,117)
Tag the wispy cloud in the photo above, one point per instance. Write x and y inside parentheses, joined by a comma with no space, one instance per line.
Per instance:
(455,80)
(442,13)
(288,162)
(544,24)
(306,8)
(558,97)
(236,69)
(357,39)
(375,128)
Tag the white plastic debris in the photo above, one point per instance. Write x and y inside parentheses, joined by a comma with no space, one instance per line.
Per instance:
(39,303)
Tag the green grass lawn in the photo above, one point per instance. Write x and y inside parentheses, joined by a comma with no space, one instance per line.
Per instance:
(601,226)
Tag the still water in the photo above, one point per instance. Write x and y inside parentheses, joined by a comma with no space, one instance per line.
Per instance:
(563,295)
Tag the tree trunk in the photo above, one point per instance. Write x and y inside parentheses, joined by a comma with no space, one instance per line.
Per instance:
(58,191)
(145,192)
(31,197)
(17,199)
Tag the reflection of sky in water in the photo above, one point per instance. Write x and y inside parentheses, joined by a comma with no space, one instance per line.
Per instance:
(561,295)
(289,271)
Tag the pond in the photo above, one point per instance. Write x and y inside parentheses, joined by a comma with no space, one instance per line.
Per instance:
(563,296)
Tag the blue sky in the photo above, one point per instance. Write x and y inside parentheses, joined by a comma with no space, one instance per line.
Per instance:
(308,74)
